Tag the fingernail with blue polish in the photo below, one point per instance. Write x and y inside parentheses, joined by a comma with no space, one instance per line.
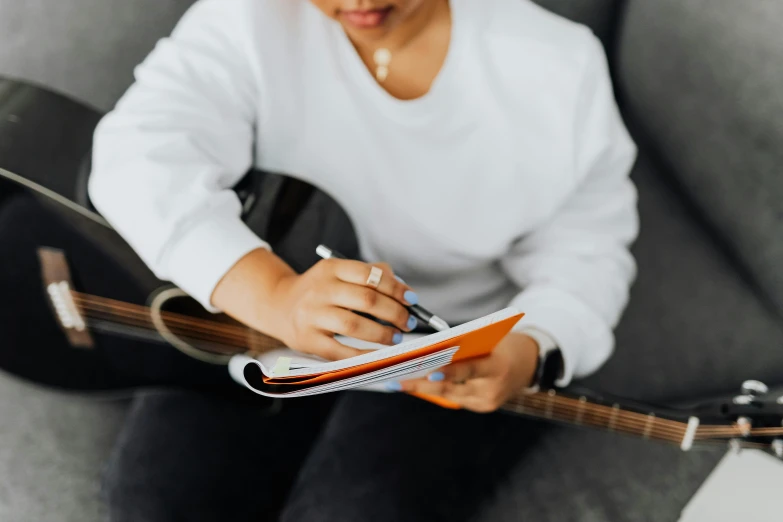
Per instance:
(393,386)
(436,376)
(412,322)
(411,297)
(401,280)
(397,339)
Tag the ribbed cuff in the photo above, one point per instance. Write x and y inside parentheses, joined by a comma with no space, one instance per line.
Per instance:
(206,252)
(584,340)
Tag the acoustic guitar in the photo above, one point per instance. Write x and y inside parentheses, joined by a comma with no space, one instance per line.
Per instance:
(174,330)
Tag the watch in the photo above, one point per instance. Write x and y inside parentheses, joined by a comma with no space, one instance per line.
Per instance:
(550,365)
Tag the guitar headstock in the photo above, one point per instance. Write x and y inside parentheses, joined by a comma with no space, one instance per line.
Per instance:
(752,419)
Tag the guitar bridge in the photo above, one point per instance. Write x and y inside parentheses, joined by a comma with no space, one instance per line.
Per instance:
(57,277)
(65,307)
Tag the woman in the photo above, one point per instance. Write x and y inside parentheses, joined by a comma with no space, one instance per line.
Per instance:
(479,152)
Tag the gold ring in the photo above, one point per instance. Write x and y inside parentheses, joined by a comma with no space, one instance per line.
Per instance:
(374,279)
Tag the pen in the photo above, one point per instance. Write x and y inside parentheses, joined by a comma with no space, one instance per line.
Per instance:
(419,312)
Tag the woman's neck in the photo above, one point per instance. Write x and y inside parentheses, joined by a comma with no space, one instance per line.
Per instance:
(416,26)
(418,50)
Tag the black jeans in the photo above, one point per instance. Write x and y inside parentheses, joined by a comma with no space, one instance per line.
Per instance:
(198,456)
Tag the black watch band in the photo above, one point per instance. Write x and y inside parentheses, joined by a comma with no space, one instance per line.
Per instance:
(549,368)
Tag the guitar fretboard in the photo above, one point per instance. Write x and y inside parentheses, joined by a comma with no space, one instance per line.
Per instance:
(582,412)
(549,405)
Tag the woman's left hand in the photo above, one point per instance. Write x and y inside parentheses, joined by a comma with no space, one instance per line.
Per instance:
(483,384)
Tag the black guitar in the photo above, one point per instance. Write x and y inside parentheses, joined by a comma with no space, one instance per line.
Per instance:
(186,346)
(122,340)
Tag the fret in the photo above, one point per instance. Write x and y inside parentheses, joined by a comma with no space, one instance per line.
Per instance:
(580,412)
(613,416)
(550,403)
(690,434)
(648,425)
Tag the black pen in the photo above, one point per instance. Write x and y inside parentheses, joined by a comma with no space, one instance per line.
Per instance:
(421,313)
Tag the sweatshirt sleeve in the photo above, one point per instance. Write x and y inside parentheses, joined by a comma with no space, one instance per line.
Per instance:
(166,157)
(576,269)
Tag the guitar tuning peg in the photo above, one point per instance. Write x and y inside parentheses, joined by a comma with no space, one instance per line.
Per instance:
(743,400)
(754,388)
(777,448)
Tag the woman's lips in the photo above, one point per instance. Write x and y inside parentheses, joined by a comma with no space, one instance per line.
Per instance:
(366,19)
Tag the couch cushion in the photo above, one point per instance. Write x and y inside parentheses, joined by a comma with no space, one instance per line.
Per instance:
(693,328)
(702,79)
(52,452)
(84,48)
(594,476)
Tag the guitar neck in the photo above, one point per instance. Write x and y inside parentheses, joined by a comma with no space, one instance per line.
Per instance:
(135,321)
(582,411)
(549,405)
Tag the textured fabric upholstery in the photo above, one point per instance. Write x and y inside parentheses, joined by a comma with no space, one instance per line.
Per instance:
(702,79)
(693,328)
(84,48)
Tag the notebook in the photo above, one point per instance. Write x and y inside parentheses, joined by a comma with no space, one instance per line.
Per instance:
(286,373)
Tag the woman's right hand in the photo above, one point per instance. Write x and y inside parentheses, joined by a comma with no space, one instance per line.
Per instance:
(315,306)
(306,311)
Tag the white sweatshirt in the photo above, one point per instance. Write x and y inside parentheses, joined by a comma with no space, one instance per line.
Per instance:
(507,184)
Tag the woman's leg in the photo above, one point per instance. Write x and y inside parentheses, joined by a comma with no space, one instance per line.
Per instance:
(392,457)
(188,456)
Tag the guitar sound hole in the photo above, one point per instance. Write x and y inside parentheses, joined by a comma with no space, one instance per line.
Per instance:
(212,333)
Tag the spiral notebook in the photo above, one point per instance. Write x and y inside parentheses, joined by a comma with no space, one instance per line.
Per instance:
(286,373)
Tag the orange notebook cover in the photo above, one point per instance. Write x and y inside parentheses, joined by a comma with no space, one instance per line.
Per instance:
(476,340)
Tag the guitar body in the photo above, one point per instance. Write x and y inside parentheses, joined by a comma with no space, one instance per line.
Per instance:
(34,345)
(292,216)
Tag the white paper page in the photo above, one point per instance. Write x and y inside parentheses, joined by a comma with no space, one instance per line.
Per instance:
(417,366)
(387,351)
(303,360)
(744,486)
(367,379)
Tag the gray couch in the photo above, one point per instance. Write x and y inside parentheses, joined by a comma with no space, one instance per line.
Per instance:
(699,82)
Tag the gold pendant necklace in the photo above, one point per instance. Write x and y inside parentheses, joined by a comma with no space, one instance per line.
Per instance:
(382,58)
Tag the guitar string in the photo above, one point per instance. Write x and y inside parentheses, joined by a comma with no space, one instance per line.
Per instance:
(566,416)
(193,333)
(175,317)
(597,415)
(641,417)
(565,413)
(589,410)
(144,319)
(240,338)
(703,431)
(603,420)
